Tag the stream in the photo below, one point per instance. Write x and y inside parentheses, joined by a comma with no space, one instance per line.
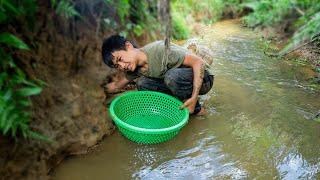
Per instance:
(259,124)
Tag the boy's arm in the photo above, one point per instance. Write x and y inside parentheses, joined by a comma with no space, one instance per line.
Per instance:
(198,66)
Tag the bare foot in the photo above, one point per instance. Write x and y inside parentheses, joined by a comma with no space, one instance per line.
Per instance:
(202,112)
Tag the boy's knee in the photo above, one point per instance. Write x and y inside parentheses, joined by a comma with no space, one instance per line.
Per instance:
(170,80)
(178,77)
(145,84)
(141,84)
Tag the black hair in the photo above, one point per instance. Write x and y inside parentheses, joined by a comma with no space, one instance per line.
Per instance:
(111,44)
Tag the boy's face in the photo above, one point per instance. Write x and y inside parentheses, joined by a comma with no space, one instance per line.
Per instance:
(124,60)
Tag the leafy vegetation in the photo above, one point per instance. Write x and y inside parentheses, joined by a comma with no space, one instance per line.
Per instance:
(304,15)
(131,17)
(179,26)
(64,8)
(266,13)
(135,17)
(309,31)
(15,87)
(186,12)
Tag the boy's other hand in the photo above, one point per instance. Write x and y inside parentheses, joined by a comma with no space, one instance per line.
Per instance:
(190,104)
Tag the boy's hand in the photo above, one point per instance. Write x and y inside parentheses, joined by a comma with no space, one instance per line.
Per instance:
(190,104)
(115,84)
(110,88)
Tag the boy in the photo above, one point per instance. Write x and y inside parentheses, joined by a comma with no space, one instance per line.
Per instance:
(180,74)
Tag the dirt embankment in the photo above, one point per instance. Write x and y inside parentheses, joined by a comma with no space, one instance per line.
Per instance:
(70,110)
(281,34)
(305,56)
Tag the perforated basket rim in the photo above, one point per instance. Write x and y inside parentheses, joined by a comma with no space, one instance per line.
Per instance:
(125,125)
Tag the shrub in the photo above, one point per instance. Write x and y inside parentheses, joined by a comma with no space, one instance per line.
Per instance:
(180,30)
(15,87)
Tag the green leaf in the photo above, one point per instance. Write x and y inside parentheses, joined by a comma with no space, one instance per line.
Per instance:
(6,60)
(36,135)
(123,33)
(11,62)
(66,9)
(138,30)
(20,76)
(40,82)
(7,95)
(24,129)
(3,77)
(13,41)
(30,83)
(123,7)
(29,91)
(24,102)
(3,16)
(53,3)
(9,123)
(4,115)
(13,131)
(26,117)
(129,26)
(10,7)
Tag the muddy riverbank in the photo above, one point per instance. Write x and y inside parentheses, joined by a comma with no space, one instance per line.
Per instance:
(70,110)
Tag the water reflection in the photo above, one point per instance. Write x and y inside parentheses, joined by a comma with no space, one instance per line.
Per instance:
(294,166)
(203,161)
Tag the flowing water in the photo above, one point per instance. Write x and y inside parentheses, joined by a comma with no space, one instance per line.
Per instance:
(259,124)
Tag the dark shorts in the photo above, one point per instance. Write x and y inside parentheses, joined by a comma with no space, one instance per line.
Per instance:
(177,82)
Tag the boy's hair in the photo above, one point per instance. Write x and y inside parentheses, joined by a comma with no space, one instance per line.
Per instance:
(111,44)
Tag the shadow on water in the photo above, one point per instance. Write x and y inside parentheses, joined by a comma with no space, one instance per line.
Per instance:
(259,125)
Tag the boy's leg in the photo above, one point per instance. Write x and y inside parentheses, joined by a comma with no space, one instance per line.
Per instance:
(152,84)
(180,83)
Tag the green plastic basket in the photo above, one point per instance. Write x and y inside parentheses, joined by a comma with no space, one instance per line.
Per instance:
(148,117)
